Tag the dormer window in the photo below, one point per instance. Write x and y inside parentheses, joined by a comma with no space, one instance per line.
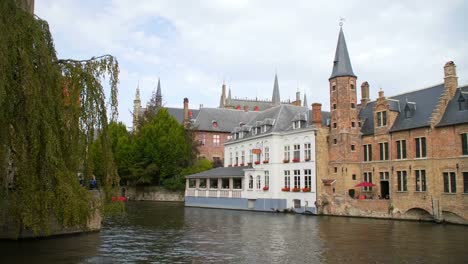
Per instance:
(382,118)
(264,128)
(409,109)
(241,134)
(462,102)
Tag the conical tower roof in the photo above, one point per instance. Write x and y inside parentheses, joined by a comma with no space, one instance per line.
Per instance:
(276,95)
(305,101)
(342,64)
(158,91)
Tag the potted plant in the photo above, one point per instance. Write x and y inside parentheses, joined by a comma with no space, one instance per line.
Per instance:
(296,160)
(305,189)
(265,161)
(296,189)
(235,165)
(265,188)
(285,189)
(257,162)
(241,165)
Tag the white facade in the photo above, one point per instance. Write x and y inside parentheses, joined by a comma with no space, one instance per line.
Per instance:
(286,159)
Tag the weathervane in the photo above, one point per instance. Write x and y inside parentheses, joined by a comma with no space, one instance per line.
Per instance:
(341,21)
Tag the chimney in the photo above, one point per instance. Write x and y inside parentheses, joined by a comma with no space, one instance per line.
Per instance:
(298,96)
(246,108)
(450,78)
(381,93)
(317,114)
(186,112)
(364,94)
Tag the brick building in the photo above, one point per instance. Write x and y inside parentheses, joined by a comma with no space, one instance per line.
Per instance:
(412,146)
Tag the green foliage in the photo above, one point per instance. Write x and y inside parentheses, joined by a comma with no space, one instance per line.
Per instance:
(177,183)
(49,111)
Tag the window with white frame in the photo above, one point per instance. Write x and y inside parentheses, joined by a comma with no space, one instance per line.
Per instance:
(225,183)
(450,182)
(203,140)
(216,140)
(287,179)
(308,178)
(259,183)
(213,183)
(420,177)
(368,178)
(250,155)
(230,158)
(297,152)
(237,158)
(267,154)
(267,179)
(202,183)
(192,183)
(251,182)
(383,150)
(401,149)
(402,181)
(297,179)
(367,152)
(420,144)
(382,118)
(286,153)
(307,151)
(243,157)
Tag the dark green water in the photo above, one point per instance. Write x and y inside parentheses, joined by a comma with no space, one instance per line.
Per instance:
(170,233)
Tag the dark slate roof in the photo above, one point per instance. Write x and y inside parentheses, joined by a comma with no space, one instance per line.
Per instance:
(342,63)
(221,172)
(424,101)
(453,115)
(178,113)
(227,119)
(261,104)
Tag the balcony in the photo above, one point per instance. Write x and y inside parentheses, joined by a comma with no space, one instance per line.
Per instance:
(227,193)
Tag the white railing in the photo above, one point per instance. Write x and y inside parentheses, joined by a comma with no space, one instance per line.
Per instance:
(214,193)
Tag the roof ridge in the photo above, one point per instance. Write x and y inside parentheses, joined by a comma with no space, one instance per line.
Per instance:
(416,90)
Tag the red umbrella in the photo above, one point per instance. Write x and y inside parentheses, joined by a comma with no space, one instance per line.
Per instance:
(365,184)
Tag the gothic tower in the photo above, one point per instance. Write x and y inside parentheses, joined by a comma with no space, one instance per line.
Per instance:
(222,100)
(344,144)
(136,108)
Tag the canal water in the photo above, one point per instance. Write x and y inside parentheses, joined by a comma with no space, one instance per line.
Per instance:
(153,232)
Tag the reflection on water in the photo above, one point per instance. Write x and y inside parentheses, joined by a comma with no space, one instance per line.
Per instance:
(169,233)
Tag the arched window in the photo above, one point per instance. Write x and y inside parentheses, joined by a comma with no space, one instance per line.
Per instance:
(250,182)
(259,185)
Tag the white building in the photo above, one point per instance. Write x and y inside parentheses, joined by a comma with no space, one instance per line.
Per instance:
(269,165)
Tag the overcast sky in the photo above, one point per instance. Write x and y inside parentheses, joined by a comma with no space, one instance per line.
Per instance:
(194,45)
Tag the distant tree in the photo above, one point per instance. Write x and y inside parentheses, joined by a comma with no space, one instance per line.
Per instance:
(177,183)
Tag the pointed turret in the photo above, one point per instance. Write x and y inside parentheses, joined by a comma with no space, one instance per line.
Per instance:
(136,108)
(342,64)
(229,95)
(276,95)
(222,100)
(158,94)
(305,101)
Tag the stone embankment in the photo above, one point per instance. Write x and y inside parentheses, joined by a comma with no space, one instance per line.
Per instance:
(151,193)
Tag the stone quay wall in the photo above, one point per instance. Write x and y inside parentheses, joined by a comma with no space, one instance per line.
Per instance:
(151,193)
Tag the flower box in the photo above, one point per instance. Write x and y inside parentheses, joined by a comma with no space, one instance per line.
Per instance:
(308,159)
(241,165)
(306,189)
(285,161)
(235,165)
(285,189)
(249,164)
(265,161)
(296,160)
(257,162)
(229,165)
(265,188)
(296,189)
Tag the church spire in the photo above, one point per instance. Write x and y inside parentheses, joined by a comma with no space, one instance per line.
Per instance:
(276,95)
(342,63)
(305,100)
(158,94)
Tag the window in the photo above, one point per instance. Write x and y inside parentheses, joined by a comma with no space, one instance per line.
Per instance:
(192,183)
(267,179)
(353,148)
(237,182)
(402,181)
(243,157)
(264,128)
(401,149)
(384,176)
(297,152)
(225,183)
(382,118)
(450,182)
(202,183)
(230,158)
(259,183)
(462,104)
(464,140)
(237,158)
(353,124)
(250,156)
(308,179)
(334,125)
(353,177)
(420,147)
(420,180)
(335,141)
(203,140)
(307,152)
(287,179)
(286,153)
(267,153)
(465,182)
(334,106)
(333,87)
(297,179)
(213,183)
(353,105)
(368,178)
(257,157)
(297,203)
(335,169)
(241,134)
(367,152)
(383,150)
(250,182)
(216,140)
(352,86)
